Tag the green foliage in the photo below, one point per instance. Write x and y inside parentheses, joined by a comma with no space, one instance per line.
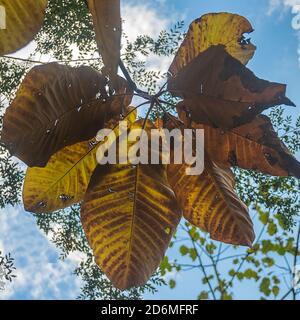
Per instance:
(7,268)
(222,269)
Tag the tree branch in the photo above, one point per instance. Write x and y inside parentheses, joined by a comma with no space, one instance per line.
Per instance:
(132,84)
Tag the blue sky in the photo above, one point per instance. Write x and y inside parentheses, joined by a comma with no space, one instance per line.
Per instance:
(41,275)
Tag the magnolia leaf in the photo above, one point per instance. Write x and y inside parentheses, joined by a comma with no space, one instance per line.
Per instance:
(209,202)
(129,215)
(57,106)
(66,176)
(107,22)
(22,19)
(220,91)
(253,146)
(213,29)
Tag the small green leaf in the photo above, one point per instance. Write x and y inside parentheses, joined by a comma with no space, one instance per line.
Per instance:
(231,273)
(172,284)
(251,274)
(272,228)
(165,266)
(275,290)
(210,248)
(184,250)
(264,217)
(227,296)
(203,295)
(268,262)
(193,254)
(265,286)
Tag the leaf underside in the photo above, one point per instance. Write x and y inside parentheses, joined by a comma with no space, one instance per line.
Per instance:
(23,21)
(65,178)
(209,202)
(253,146)
(57,106)
(129,215)
(107,23)
(220,91)
(215,29)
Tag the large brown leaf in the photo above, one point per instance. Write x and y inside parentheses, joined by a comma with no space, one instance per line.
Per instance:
(107,22)
(220,91)
(23,19)
(213,29)
(57,106)
(254,146)
(209,202)
(129,215)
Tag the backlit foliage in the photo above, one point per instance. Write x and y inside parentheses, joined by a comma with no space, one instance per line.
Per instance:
(129,213)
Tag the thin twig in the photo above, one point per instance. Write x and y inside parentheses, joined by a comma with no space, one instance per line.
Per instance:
(46,62)
(167,103)
(243,261)
(201,265)
(132,84)
(24,60)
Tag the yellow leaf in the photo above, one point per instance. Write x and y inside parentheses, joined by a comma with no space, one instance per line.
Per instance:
(210,203)
(215,29)
(22,19)
(62,182)
(65,179)
(209,200)
(129,214)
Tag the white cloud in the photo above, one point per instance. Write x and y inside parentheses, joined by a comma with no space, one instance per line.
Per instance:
(40,274)
(149,19)
(282,4)
(141,19)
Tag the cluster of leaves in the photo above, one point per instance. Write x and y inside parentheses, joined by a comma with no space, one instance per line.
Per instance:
(11,176)
(7,268)
(219,94)
(166,44)
(69,236)
(269,266)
